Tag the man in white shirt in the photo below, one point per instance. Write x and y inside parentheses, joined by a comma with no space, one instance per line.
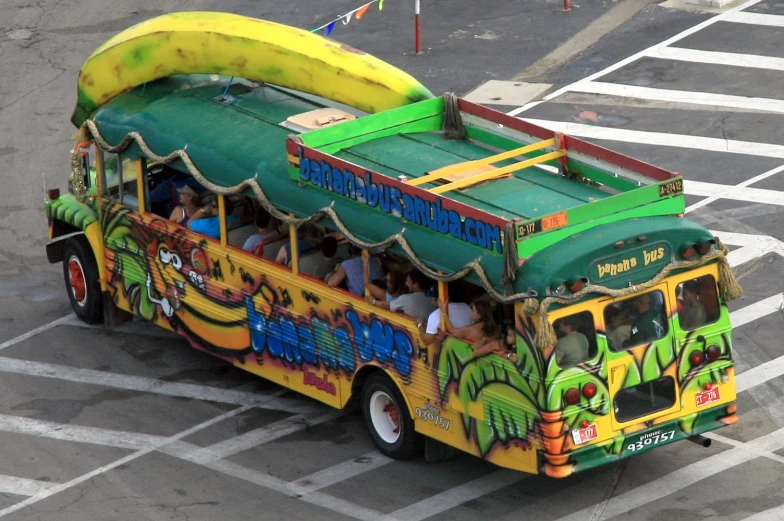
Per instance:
(459,315)
(414,303)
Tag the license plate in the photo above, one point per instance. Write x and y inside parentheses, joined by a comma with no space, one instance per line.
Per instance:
(585,435)
(648,440)
(706,397)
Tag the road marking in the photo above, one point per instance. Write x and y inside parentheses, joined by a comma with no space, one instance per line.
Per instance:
(772,514)
(727,59)
(681,478)
(680,96)
(24,487)
(637,56)
(743,17)
(757,310)
(76,433)
(456,496)
(728,193)
(624,135)
(151,385)
(260,436)
(340,472)
(122,461)
(751,246)
(41,329)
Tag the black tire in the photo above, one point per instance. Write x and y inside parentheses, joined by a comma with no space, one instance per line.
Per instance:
(85,299)
(378,394)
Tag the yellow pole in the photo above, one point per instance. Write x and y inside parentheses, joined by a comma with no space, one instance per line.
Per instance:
(140,188)
(294,252)
(224,234)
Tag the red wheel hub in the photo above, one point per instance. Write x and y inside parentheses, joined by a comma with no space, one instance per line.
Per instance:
(391,410)
(76,281)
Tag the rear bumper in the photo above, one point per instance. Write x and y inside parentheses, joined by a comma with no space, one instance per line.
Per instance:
(634,443)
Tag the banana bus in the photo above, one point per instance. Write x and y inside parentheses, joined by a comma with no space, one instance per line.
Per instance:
(616,305)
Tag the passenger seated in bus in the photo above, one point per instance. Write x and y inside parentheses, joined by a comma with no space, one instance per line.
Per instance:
(327,261)
(308,235)
(189,205)
(206,220)
(648,325)
(572,347)
(414,303)
(619,326)
(262,220)
(162,196)
(459,315)
(381,297)
(693,313)
(501,345)
(352,273)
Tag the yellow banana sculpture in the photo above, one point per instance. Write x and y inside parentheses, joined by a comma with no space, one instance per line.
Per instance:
(234,45)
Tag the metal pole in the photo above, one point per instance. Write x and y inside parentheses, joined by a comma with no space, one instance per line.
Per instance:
(417,42)
(566,5)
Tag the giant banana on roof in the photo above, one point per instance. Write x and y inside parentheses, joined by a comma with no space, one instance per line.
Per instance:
(234,45)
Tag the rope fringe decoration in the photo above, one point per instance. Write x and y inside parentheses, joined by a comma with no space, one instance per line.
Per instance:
(545,335)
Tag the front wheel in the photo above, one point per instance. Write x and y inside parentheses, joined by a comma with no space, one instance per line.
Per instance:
(387,418)
(81,281)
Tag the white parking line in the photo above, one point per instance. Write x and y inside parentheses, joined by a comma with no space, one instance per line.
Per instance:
(680,96)
(744,17)
(260,436)
(681,478)
(340,472)
(727,59)
(24,487)
(625,135)
(637,56)
(772,514)
(456,496)
(730,189)
(41,329)
(122,461)
(151,385)
(76,433)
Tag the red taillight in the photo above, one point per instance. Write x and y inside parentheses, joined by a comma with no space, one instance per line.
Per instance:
(713,352)
(705,247)
(708,386)
(696,358)
(53,193)
(576,284)
(572,396)
(586,423)
(619,244)
(688,251)
(589,390)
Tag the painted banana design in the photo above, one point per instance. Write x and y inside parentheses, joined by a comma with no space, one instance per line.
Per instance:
(233,45)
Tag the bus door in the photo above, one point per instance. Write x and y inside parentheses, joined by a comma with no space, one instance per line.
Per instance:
(641,357)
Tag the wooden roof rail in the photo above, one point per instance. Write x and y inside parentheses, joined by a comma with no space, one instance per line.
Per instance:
(468,165)
(485,176)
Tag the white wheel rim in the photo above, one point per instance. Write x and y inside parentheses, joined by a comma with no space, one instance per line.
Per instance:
(386,427)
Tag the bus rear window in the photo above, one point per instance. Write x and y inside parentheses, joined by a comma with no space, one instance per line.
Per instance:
(698,303)
(634,321)
(576,339)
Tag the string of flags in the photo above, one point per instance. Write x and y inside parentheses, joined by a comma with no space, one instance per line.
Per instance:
(346,18)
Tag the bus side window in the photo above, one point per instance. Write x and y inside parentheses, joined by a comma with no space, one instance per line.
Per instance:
(576,339)
(121,185)
(698,303)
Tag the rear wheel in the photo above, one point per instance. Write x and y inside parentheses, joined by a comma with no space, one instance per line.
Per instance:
(81,281)
(387,418)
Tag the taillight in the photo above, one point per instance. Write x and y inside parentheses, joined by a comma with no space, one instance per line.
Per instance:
(705,247)
(572,396)
(708,386)
(589,390)
(696,358)
(713,352)
(53,193)
(688,251)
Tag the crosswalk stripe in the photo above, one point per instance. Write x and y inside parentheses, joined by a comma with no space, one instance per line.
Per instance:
(744,17)
(738,193)
(340,472)
(728,193)
(680,96)
(729,146)
(24,487)
(729,59)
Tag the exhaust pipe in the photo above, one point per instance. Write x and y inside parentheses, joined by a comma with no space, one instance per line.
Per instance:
(701,440)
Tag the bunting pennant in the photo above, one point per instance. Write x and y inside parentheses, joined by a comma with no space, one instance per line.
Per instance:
(361,11)
(346,18)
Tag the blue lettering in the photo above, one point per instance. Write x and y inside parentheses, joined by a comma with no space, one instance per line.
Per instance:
(344,347)
(348,188)
(401,355)
(315,174)
(432,215)
(304,165)
(469,230)
(480,234)
(372,191)
(307,344)
(362,336)
(384,198)
(494,235)
(290,341)
(421,211)
(397,208)
(337,179)
(258,327)
(325,343)
(361,190)
(443,218)
(409,213)
(455,225)
(274,339)
(383,340)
